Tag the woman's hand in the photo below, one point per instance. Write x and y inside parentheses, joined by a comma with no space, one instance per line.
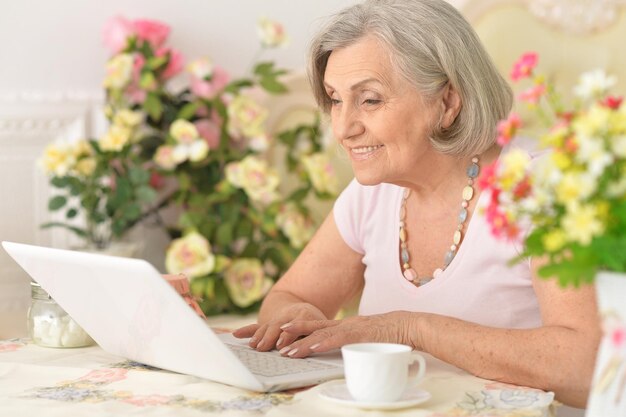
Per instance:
(325,335)
(266,336)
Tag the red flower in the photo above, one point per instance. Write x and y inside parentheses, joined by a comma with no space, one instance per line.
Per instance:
(612,102)
(522,189)
(487,177)
(507,129)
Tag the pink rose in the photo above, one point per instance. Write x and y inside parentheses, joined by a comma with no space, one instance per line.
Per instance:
(209,89)
(533,94)
(524,66)
(116,32)
(209,131)
(135,95)
(105,376)
(151,31)
(175,63)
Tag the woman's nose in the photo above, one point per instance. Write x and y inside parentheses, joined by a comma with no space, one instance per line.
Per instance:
(346,123)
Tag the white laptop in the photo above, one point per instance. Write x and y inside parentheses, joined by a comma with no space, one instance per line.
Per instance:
(130,310)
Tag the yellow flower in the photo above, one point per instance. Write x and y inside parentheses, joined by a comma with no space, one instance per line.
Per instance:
(246,117)
(554,240)
(321,173)
(298,228)
(83,148)
(581,223)
(618,145)
(118,71)
(184,131)
(115,139)
(617,187)
(618,121)
(58,158)
(245,281)
(575,186)
(561,161)
(257,179)
(513,168)
(592,123)
(190,255)
(555,137)
(272,33)
(86,166)
(128,118)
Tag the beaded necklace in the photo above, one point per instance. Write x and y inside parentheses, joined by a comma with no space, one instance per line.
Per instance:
(468,193)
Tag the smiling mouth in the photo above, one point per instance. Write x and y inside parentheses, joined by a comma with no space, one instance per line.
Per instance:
(366,149)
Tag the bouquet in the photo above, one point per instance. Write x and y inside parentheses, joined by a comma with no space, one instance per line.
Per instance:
(568,205)
(239,225)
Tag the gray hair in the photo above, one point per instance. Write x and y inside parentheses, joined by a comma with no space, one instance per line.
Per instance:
(431,45)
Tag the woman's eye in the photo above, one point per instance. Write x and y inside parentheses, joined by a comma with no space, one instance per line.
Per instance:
(371,101)
(334,101)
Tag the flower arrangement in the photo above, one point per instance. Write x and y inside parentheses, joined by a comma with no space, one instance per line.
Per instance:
(240,226)
(569,204)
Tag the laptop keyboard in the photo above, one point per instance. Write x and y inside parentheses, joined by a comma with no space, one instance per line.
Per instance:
(273,364)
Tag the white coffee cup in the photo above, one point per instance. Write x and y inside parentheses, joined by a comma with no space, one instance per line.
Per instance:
(379,372)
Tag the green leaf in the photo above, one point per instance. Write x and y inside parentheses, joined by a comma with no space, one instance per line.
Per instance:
(153,106)
(146,194)
(272,85)
(59,182)
(237,85)
(188,110)
(299,194)
(71,213)
(244,228)
(132,211)
(224,234)
(57,202)
(156,62)
(138,176)
(77,230)
(264,69)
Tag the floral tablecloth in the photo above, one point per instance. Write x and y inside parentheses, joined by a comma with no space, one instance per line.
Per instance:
(37,381)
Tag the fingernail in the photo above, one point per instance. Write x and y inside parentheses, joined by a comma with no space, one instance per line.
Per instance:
(252,340)
(284,350)
(260,344)
(293,352)
(315,346)
(280,341)
(286,325)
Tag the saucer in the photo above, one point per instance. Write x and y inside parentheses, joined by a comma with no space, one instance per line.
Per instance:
(338,393)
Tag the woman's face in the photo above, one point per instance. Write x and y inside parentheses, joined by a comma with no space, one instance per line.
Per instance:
(377,116)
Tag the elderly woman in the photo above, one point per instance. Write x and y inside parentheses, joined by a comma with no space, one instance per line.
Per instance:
(414,100)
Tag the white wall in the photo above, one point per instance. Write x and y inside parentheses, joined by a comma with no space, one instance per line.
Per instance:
(51,67)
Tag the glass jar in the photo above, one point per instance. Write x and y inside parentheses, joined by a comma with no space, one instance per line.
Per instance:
(50,326)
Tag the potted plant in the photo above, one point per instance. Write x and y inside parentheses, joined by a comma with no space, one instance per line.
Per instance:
(573,202)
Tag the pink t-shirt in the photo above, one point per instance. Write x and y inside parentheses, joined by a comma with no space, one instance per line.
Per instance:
(478,286)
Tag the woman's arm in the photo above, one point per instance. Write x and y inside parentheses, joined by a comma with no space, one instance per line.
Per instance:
(326,275)
(559,356)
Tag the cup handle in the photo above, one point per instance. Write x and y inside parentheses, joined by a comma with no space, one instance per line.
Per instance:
(415,379)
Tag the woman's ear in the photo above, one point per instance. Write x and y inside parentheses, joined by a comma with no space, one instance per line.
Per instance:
(451,105)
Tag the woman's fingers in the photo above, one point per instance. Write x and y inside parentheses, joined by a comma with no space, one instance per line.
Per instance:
(306,327)
(269,338)
(318,342)
(246,331)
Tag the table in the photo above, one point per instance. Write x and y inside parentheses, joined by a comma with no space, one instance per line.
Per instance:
(42,382)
